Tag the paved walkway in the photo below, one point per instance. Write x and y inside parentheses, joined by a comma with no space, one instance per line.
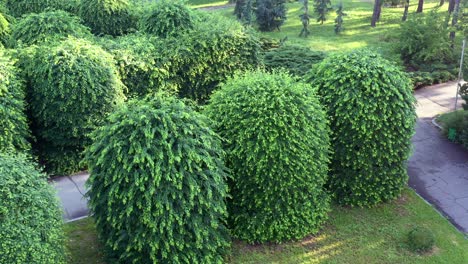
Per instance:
(438,169)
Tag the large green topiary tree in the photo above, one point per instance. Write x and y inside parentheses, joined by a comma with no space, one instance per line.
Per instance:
(13,122)
(168,18)
(30,217)
(21,7)
(371,108)
(277,147)
(73,86)
(107,17)
(157,185)
(51,25)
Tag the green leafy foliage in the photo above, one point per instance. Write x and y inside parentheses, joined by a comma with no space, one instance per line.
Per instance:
(270,14)
(51,25)
(4,30)
(21,7)
(297,59)
(73,86)
(107,17)
(30,216)
(421,239)
(168,18)
(372,113)
(423,40)
(157,185)
(13,121)
(321,8)
(277,147)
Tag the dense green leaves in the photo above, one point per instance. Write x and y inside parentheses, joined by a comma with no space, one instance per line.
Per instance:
(51,25)
(371,109)
(13,123)
(157,185)
(73,86)
(298,60)
(21,7)
(30,217)
(168,18)
(270,14)
(4,30)
(107,17)
(277,147)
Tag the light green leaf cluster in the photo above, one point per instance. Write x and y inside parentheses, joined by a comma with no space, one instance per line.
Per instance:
(30,214)
(372,112)
(13,122)
(51,25)
(107,17)
(157,184)
(277,144)
(73,85)
(168,18)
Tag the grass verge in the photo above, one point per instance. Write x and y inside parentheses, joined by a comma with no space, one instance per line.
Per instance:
(352,235)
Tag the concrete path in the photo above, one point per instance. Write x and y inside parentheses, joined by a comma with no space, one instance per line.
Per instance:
(438,169)
(71,190)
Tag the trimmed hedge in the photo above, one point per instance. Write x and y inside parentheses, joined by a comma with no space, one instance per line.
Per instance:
(51,25)
(30,216)
(372,112)
(13,121)
(107,17)
(168,18)
(277,147)
(73,86)
(157,185)
(21,7)
(298,60)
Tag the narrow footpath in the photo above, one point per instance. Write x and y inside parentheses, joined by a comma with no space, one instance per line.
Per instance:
(438,169)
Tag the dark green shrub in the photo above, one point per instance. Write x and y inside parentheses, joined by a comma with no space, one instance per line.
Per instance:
(107,17)
(21,7)
(30,216)
(4,30)
(139,64)
(51,25)
(424,40)
(270,14)
(168,18)
(157,185)
(13,121)
(277,147)
(421,239)
(372,113)
(298,60)
(73,86)
(453,121)
(198,61)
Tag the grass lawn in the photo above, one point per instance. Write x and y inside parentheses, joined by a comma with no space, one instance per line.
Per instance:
(203,3)
(358,32)
(352,235)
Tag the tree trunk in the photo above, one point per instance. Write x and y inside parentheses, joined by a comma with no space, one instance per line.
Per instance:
(442,2)
(376,13)
(420,6)
(451,6)
(456,13)
(405,13)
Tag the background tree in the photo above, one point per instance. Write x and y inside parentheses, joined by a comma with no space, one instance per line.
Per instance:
(305,19)
(420,6)
(321,8)
(405,12)
(339,18)
(376,12)
(271,14)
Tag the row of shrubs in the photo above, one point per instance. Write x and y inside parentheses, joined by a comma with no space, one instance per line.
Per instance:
(261,161)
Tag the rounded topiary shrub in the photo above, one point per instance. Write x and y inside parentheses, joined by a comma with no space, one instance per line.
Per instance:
(421,239)
(157,185)
(107,17)
(30,217)
(13,121)
(277,147)
(371,108)
(51,25)
(168,18)
(73,86)
(21,7)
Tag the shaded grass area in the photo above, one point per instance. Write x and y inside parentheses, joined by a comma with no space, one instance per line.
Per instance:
(204,3)
(352,235)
